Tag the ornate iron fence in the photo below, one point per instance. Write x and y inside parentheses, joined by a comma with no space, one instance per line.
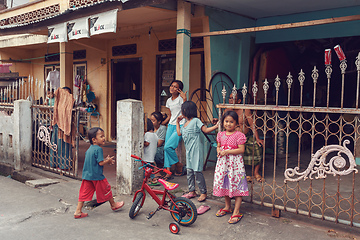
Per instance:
(308,165)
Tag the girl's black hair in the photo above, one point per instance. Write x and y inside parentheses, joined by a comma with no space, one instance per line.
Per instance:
(189,109)
(232,114)
(158,116)
(67,88)
(92,133)
(180,83)
(149,125)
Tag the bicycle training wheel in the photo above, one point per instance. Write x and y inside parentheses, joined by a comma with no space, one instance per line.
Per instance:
(174,227)
(187,213)
(137,204)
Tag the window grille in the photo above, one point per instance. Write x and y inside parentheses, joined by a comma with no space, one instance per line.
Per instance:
(80,54)
(124,50)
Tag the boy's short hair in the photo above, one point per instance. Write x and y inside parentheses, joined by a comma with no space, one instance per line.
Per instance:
(92,133)
(189,109)
(149,125)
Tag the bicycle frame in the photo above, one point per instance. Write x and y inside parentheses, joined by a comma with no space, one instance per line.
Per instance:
(155,192)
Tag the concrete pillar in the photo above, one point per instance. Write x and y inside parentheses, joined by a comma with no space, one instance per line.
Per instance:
(66,65)
(183,42)
(22,134)
(130,140)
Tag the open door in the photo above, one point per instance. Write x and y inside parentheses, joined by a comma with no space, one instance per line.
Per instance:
(126,83)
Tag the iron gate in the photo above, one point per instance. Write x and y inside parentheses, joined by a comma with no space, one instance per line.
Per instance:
(308,165)
(49,152)
(308,162)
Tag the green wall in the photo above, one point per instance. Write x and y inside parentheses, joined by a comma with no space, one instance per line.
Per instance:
(344,29)
(230,53)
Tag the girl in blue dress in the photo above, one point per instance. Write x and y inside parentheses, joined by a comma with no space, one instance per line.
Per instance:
(190,133)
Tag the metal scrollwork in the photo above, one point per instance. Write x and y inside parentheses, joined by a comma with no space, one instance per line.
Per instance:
(244,92)
(301,77)
(328,71)
(223,92)
(234,94)
(357,62)
(315,74)
(319,166)
(289,80)
(343,66)
(277,83)
(44,136)
(255,90)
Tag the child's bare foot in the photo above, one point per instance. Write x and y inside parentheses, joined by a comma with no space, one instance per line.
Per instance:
(117,205)
(202,197)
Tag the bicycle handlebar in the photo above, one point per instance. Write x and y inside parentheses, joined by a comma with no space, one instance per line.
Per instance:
(133,156)
(144,164)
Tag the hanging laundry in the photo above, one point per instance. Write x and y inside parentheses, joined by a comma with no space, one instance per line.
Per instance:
(54,79)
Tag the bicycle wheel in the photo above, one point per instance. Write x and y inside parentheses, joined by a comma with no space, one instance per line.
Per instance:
(137,204)
(187,213)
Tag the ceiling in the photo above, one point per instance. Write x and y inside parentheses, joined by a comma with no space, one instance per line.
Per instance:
(268,8)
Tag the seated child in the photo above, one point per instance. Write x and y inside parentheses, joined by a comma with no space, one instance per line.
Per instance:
(150,146)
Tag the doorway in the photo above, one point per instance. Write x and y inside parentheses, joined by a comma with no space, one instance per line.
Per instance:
(126,75)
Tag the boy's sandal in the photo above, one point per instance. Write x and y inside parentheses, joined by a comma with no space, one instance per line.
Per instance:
(222,212)
(118,205)
(82,215)
(235,218)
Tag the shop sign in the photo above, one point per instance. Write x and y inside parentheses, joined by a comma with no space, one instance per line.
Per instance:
(103,22)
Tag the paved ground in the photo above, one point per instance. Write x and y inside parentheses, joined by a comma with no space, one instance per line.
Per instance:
(47,213)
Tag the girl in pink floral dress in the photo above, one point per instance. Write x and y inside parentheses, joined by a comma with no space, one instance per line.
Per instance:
(230,179)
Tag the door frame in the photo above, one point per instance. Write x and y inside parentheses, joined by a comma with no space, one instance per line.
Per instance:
(113,106)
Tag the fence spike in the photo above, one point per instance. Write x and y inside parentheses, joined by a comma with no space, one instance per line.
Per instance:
(315,76)
(223,92)
(357,63)
(234,93)
(277,86)
(244,92)
(266,88)
(254,90)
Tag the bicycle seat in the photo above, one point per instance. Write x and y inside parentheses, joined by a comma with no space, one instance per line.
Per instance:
(168,185)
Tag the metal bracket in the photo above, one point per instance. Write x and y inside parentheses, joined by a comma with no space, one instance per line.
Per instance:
(319,166)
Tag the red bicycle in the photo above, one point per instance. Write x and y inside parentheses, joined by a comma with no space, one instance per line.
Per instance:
(182,210)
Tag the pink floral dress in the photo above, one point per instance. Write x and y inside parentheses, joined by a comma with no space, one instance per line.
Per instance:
(230,178)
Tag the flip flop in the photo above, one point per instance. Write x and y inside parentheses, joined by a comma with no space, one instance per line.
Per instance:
(238,218)
(203,209)
(189,195)
(154,184)
(118,206)
(82,215)
(222,212)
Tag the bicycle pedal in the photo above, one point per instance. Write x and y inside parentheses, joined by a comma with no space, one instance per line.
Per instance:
(150,215)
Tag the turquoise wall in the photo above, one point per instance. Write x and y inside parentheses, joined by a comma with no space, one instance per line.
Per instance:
(230,53)
(344,29)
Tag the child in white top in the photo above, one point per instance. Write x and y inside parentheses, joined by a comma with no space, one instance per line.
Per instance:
(150,143)
(172,139)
